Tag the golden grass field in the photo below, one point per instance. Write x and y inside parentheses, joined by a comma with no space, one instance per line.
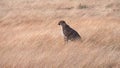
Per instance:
(31,38)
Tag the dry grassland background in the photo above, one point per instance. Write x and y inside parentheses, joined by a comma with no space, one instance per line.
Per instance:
(31,38)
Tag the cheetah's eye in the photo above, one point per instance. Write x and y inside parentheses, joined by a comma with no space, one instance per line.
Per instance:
(58,23)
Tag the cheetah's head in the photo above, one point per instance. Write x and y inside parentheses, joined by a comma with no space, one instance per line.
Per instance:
(62,23)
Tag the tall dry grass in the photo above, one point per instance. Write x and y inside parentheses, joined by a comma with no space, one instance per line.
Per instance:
(31,38)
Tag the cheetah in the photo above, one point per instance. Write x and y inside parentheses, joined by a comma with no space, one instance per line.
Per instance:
(69,33)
